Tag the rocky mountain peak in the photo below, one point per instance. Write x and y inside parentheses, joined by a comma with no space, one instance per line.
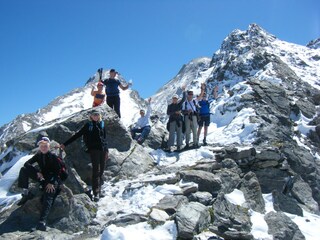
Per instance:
(314,44)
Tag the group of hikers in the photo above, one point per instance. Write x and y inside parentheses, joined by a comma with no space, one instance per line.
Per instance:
(189,113)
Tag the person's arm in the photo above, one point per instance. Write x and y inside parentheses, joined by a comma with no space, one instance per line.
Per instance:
(123,87)
(31,161)
(92,92)
(215,92)
(203,87)
(184,97)
(76,136)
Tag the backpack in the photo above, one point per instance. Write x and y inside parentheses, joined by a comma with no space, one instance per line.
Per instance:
(195,111)
(63,174)
(85,140)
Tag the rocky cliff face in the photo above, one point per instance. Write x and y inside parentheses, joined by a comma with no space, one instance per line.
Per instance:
(264,144)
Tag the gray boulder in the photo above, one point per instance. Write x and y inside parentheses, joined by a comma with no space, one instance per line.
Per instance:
(230,220)
(191,219)
(171,203)
(204,198)
(206,181)
(286,204)
(250,187)
(282,228)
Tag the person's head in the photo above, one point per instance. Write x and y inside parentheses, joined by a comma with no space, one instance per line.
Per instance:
(142,113)
(112,73)
(44,145)
(95,116)
(190,95)
(204,96)
(175,98)
(100,86)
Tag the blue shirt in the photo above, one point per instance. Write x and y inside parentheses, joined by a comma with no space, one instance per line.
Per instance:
(112,87)
(204,107)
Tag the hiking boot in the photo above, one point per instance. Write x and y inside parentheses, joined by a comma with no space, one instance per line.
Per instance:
(25,198)
(204,142)
(140,140)
(195,146)
(96,198)
(186,147)
(41,226)
(178,149)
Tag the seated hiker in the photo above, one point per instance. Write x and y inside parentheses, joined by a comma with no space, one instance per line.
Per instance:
(94,136)
(47,173)
(98,96)
(204,114)
(175,120)
(112,91)
(190,112)
(142,126)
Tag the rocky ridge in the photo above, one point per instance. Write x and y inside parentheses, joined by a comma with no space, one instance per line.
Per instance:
(254,70)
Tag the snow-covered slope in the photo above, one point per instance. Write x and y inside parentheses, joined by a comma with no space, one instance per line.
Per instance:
(68,104)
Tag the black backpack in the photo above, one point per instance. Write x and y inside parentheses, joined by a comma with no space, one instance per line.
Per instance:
(63,174)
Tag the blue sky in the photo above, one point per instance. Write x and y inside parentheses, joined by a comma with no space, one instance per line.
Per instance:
(48,48)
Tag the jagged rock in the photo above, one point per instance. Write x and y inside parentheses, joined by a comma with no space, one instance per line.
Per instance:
(50,234)
(138,161)
(122,221)
(204,198)
(231,233)
(206,181)
(230,217)
(303,163)
(171,203)
(68,214)
(267,158)
(282,227)
(158,215)
(157,135)
(302,192)
(250,187)
(286,204)
(237,154)
(271,179)
(229,178)
(191,219)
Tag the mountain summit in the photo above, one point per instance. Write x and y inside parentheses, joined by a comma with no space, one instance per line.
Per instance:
(261,165)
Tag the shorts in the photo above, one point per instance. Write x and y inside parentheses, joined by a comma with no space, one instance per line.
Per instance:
(204,120)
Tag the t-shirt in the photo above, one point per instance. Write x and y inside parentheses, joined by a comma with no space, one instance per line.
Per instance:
(112,86)
(190,105)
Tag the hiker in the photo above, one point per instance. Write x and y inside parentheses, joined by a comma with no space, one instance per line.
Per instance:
(47,173)
(98,96)
(143,125)
(112,91)
(175,120)
(204,114)
(190,112)
(94,136)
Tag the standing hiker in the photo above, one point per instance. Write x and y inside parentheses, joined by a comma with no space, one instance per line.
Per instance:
(94,136)
(190,112)
(47,173)
(98,96)
(175,120)
(112,91)
(143,125)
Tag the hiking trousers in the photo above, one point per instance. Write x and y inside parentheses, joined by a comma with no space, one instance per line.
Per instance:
(144,132)
(98,165)
(47,199)
(175,127)
(114,103)
(191,123)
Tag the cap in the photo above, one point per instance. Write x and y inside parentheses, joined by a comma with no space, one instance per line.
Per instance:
(142,110)
(44,140)
(190,92)
(94,112)
(112,70)
(100,84)
(175,96)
